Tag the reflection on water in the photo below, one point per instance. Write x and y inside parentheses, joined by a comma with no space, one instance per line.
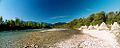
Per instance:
(9,37)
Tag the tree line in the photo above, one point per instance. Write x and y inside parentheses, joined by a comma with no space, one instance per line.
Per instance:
(18,24)
(93,19)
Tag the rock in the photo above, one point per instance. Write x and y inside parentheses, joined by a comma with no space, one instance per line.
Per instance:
(96,26)
(91,27)
(27,47)
(103,26)
(36,46)
(82,27)
(115,26)
(87,42)
(31,46)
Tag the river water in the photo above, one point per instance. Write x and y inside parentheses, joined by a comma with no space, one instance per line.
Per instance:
(7,38)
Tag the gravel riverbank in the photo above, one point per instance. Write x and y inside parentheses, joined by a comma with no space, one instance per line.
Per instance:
(59,39)
(36,39)
(90,39)
(82,41)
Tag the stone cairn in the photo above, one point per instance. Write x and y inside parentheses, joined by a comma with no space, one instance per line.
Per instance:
(115,26)
(102,26)
(82,27)
(91,27)
(96,26)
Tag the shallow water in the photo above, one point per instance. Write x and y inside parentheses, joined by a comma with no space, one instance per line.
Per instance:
(7,38)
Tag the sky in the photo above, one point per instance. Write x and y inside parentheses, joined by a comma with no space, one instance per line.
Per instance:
(52,11)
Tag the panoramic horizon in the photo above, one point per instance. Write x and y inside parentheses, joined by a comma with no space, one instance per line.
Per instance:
(59,23)
(52,11)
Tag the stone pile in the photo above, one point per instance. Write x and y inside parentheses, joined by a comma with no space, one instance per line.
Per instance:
(96,26)
(91,27)
(115,26)
(82,27)
(83,41)
(102,26)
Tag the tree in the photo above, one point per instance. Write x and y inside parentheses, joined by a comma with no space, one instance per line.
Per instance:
(17,22)
(1,20)
(99,18)
(11,23)
(91,17)
(29,23)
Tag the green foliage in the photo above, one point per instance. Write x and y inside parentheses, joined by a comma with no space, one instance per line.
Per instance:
(18,24)
(1,19)
(110,17)
(94,19)
(29,23)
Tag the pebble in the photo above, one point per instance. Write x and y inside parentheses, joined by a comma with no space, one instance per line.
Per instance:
(89,42)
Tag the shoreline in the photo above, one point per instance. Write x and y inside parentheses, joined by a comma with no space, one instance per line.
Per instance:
(39,39)
(43,30)
(60,38)
(91,39)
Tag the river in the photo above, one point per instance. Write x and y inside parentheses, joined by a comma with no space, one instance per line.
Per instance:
(9,37)
(57,39)
(31,37)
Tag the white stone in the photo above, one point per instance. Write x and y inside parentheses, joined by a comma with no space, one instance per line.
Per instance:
(82,27)
(115,26)
(103,26)
(96,26)
(91,27)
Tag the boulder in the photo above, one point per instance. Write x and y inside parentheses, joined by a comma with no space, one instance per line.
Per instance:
(85,27)
(103,26)
(91,27)
(115,26)
(82,27)
(96,26)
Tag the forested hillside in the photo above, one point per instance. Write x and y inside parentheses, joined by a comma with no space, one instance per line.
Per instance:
(93,19)
(18,24)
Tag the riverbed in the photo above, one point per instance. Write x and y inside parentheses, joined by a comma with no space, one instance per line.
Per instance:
(58,38)
(9,38)
(33,38)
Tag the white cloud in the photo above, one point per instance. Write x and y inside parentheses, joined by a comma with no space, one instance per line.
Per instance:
(57,17)
(88,9)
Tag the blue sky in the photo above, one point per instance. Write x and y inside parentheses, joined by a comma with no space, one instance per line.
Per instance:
(52,11)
